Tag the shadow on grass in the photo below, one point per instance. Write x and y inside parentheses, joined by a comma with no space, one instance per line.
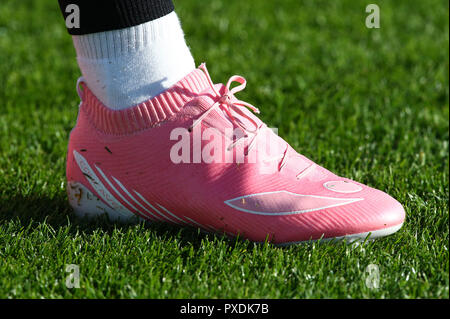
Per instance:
(32,211)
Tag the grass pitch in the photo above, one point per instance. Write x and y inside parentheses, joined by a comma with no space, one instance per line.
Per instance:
(369,104)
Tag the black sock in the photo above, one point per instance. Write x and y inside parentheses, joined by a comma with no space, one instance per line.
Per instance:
(90,16)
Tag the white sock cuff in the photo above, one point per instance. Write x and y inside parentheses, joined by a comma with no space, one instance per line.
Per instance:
(116,43)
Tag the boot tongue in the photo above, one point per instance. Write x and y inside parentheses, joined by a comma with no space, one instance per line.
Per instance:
(218,118)
(270,145)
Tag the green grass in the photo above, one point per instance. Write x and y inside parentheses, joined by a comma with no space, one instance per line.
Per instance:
(369,104)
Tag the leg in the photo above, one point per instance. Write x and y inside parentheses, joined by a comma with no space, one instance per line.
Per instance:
(128,51)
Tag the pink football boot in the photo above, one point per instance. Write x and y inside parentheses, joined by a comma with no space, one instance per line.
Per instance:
(195,155)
